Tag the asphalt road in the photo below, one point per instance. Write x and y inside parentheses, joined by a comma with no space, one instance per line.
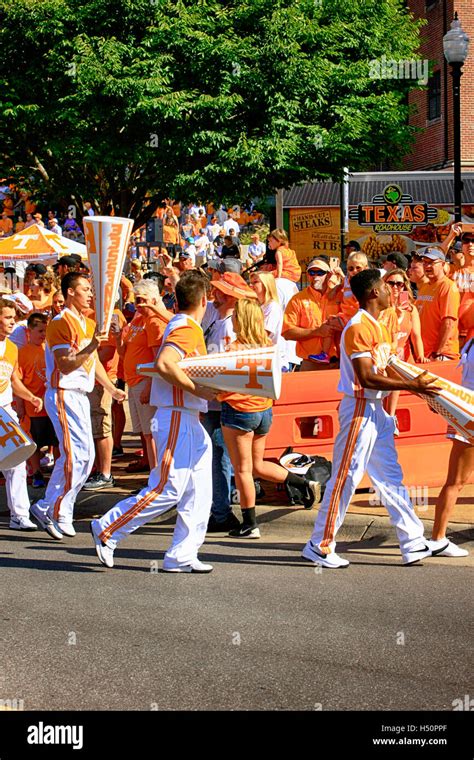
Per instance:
(264,631)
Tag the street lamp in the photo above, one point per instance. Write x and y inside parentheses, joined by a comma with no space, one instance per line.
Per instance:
(455,45)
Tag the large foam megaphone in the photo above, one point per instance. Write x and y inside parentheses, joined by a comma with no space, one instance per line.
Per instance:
(15,446)
(253,372)
(107,240)
(454,402)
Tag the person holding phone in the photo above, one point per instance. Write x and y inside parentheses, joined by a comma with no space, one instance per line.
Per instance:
(409,340)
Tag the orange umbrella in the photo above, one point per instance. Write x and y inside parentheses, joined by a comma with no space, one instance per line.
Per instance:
(36,243)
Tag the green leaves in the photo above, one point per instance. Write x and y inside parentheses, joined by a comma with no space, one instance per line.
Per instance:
(125,99)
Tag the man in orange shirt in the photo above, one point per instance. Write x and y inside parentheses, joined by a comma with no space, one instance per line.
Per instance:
(140,342)
(101,409)
(6,224)
(464,279)
(438,303)
(10,382)
(365,439)
(32,370)
(305,314)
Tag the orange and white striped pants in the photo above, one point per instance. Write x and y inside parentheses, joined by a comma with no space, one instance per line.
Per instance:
(183,478)
(365,442)
(70,414)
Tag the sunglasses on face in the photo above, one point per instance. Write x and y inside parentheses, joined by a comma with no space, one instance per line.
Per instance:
(316,272)
(395,283)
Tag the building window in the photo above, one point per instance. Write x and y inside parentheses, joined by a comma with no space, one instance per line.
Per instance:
(429,4)
(434,96)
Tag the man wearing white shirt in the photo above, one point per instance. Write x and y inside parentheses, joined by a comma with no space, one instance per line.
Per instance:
(195,209)
(256,248)
(54,227)
(212,229)
(231,224)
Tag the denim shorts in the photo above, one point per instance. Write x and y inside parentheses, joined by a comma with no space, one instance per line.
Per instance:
(252,422)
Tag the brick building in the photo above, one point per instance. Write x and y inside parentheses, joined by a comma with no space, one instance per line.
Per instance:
(433,148)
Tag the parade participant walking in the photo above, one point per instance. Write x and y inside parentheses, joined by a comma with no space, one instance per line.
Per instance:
(461,466)
(71,368)
(15,479)
(365,440)
(183,477)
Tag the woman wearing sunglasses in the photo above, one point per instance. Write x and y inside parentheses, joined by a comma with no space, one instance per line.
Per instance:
(409,341)
(409,328)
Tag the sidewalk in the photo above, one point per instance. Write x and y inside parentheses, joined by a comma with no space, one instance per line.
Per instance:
(364,518)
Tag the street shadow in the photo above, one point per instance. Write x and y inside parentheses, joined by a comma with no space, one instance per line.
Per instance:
(49,565)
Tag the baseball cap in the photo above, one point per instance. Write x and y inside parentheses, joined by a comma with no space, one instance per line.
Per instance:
(432,253)
(20,302)
(318,264)
(38,269)
(467,236)
(397,257)
(190,240)
(68,261)
(185,255)
(232,284)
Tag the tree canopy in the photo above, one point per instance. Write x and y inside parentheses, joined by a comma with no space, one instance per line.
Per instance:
(125,102)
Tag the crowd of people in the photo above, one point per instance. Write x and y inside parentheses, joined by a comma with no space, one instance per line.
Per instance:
(67,384)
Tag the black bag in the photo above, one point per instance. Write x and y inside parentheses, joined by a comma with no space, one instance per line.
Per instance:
(320,471)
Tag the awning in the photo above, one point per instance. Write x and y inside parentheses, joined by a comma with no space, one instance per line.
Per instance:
(436,188)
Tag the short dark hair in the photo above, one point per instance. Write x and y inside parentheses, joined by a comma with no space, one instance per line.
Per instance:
(6,304)
(190,288)
(353,244)
(37,316)
(69,281)
(363,282)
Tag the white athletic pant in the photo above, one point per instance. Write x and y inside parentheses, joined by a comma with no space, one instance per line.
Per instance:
(15,483)
(182,478)
(70,414)
(365,443)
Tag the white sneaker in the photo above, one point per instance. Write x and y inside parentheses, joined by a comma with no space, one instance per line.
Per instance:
(49,525)
(196,566)
(332,560)
(450,549)
(424,550)
(67,528)
(104,552)
(22,523)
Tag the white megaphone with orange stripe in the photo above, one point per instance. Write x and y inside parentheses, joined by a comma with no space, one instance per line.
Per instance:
(454,402)
(15,445)
(107,240)
(253,372)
